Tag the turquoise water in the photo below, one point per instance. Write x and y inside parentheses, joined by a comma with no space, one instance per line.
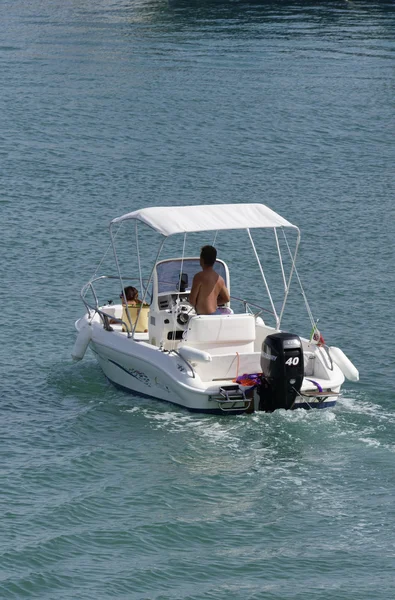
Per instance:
(108,106)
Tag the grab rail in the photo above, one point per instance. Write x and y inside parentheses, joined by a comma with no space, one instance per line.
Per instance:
(185,361)
(90,283)
(247,303)
(89,286)
(95,309)
(106,318)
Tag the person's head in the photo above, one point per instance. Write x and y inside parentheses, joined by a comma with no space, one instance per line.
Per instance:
(208,255)
(131,294)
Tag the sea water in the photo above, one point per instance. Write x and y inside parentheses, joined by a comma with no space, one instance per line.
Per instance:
(112,105)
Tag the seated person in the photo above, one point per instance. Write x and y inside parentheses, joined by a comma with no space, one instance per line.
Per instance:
(208,288)
(132,298)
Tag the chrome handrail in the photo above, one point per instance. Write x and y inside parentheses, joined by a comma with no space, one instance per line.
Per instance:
(105,318)
(90,283)
(185,361)
(248,303)
(95,309)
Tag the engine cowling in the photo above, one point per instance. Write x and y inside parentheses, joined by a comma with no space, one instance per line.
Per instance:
(282,366)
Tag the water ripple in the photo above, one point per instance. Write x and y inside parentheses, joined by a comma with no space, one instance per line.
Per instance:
(110,105)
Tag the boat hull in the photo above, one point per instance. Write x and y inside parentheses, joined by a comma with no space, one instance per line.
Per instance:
(136,375)
(142,369)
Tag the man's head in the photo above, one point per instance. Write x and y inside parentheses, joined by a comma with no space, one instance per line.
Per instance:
(208,255)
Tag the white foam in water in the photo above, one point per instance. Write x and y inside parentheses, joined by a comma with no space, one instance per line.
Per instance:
(329,416)
(294,416)
(237,433)
(370,442)
(363,407)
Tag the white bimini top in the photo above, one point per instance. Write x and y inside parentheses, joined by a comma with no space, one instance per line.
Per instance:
(169,220)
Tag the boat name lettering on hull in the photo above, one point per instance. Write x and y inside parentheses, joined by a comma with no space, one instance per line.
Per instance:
(140,376)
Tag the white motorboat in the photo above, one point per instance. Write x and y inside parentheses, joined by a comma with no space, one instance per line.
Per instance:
(221,363)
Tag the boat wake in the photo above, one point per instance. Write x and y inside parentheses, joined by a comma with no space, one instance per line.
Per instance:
(355,420)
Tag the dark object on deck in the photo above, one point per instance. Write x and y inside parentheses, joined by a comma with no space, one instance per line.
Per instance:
(183,282)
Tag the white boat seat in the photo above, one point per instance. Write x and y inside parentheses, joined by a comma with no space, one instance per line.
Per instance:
(142,324)
(221,334)
(228,366)
(309,384)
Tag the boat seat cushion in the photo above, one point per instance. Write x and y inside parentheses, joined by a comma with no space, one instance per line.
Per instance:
(142,325)
(223,333)
(228,366)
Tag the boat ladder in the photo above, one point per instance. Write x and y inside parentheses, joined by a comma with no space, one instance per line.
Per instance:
(232,397)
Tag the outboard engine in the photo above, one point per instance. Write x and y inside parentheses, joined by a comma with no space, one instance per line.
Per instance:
(283,371)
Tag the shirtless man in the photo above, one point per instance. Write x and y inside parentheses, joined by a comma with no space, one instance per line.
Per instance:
(208,288)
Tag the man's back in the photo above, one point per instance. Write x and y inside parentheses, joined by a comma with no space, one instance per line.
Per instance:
(208,290)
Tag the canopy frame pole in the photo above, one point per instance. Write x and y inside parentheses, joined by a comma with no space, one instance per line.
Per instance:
(146,287)
(281,260)
(104,255)
(182,264)
(264,279)
(120,279)
(138,255)
(131,334)
(179,285)
(293,268)
(117,264)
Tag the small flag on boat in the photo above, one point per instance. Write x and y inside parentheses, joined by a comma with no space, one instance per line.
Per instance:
(316,336)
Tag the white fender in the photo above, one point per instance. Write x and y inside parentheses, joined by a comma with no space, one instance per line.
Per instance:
(344,363)
(82,342)
(194,355)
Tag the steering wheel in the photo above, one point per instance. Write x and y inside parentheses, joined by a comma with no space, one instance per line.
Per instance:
(184,310)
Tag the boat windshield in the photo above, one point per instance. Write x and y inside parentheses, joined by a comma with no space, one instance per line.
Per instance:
(169,273)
